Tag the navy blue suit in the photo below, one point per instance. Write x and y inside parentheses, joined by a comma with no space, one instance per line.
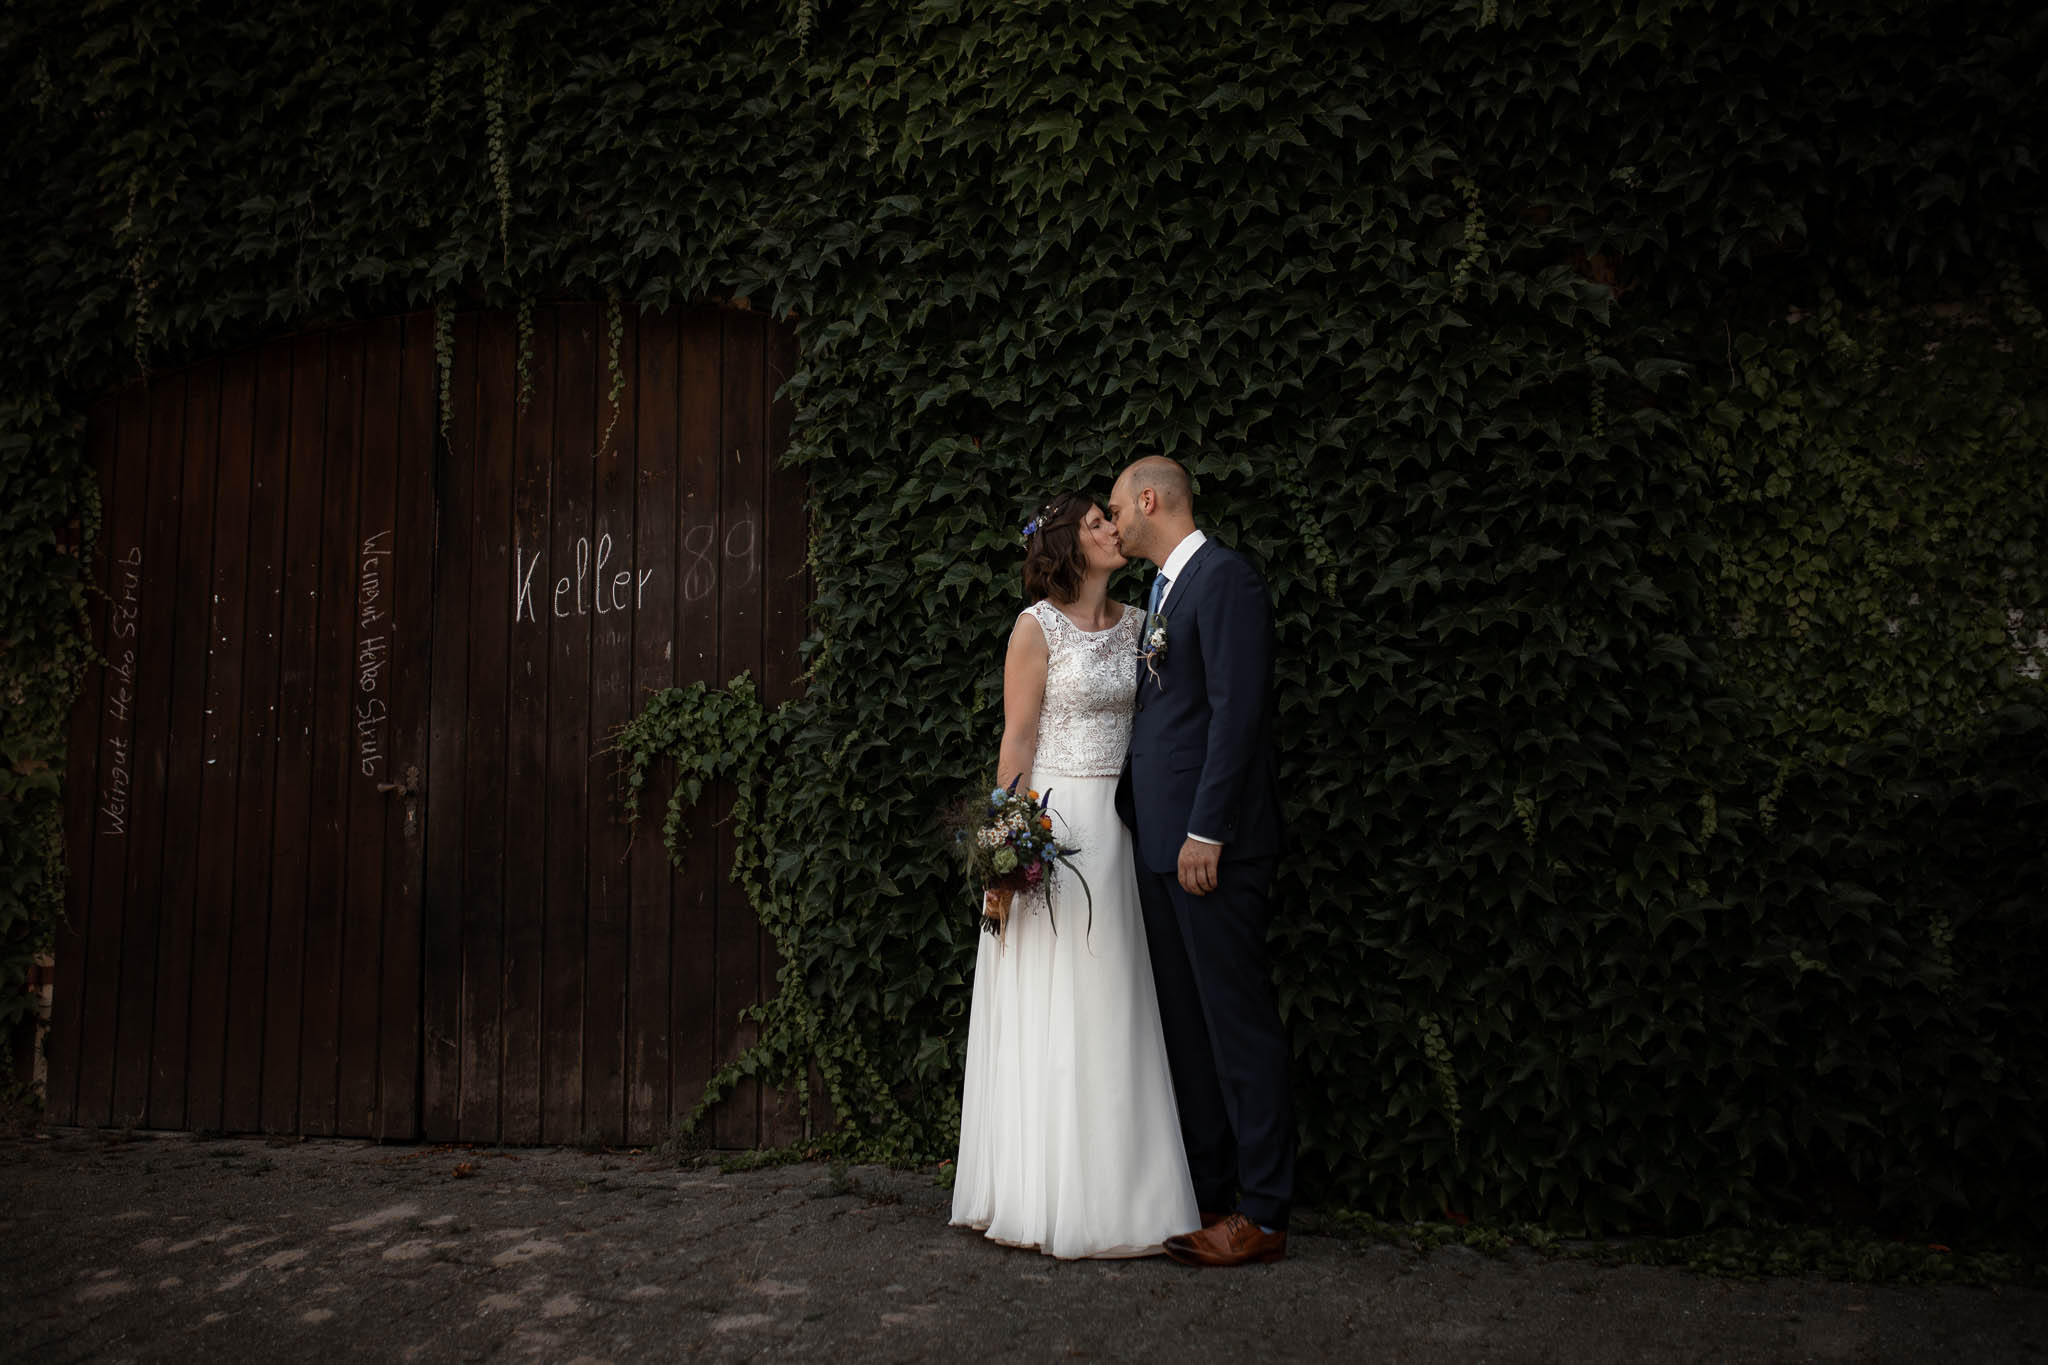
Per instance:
(1201,761)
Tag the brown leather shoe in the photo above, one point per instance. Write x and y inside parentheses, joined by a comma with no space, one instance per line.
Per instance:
(1234,1241)
(1210,1220)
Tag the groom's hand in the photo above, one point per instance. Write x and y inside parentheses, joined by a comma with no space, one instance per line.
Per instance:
(1198,866)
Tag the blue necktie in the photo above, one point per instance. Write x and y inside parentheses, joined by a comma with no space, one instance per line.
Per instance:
(1159,582)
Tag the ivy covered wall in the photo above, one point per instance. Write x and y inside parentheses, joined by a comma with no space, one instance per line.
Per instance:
(1637,412)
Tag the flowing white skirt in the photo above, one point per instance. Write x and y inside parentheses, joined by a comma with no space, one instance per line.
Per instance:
(1069,1140)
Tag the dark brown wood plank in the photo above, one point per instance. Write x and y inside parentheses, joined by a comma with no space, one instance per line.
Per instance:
(125,502)
(84,765)
(743,470)
(220,755)
(483,885)
(654,396)
(572,555)
(141,906)
(693,943)
(444,905)
(786,598)
(191,648)
(327,889)
(372,813)
(298,656)
(615,607)
(399,1014)
(532,609)
(255,788)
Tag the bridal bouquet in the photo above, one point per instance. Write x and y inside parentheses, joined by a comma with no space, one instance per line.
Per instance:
(1008,844)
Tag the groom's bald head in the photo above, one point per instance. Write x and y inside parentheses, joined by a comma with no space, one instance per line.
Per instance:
(1167,480)
(1153,507)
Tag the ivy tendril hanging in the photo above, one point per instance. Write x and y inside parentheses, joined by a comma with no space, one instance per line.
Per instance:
(525,358)
(444,363)
(729,737)
(1475,237)
(806,17)
(138,275)
(614,337)
(46,89)
(1322,560)
(1596,403)
(1436,1050)
(495,63)
(1525,812)
(437,88)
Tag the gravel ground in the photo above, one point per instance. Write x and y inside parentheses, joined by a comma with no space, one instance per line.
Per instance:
(175,1247)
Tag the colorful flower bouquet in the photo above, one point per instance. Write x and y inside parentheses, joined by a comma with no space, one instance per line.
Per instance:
(1007,844)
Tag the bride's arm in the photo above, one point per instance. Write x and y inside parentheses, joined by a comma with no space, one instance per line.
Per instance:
(1023,697)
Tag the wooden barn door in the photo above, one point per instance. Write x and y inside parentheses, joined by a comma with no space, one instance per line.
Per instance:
(242,947)
(346,851)
(577,988)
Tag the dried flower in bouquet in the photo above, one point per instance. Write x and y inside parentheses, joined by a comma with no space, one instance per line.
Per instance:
(1006,843)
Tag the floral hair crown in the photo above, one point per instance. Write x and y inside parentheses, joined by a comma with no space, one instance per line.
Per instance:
(1045,514)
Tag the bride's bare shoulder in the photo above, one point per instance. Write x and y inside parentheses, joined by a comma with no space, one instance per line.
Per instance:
(1028,648)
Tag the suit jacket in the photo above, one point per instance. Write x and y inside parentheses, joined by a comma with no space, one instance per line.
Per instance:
(1201,758)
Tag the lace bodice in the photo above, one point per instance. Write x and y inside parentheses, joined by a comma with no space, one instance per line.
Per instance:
(1091,685)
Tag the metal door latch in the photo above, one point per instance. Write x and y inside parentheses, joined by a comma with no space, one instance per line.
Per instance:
(409,788)
(406,788)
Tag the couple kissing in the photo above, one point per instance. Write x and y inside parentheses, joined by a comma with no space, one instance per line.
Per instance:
(1126,1091)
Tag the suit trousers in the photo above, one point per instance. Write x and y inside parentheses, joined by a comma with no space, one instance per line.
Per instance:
(1225,1044)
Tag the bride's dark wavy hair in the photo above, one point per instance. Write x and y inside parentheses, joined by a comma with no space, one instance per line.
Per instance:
(1054,562)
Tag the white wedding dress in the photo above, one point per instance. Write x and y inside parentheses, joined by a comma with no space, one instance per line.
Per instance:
(1069,1140)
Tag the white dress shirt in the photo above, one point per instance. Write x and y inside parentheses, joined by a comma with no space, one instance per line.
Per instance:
(1178,560)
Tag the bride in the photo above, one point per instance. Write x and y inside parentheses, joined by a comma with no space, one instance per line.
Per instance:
(1069,1140)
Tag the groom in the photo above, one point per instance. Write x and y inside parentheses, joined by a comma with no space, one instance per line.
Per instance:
(1198,791)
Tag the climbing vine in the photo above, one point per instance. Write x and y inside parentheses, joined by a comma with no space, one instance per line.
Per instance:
(1883,564)
(727,736)
(1436,1049)
(525,357)
(614,341)
(1475,238)
(141,286)
(1637,417)
(45,605)
(496,59)
(806,18)
(444,366)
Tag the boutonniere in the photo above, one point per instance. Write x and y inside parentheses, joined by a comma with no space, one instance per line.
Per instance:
(1152,643)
